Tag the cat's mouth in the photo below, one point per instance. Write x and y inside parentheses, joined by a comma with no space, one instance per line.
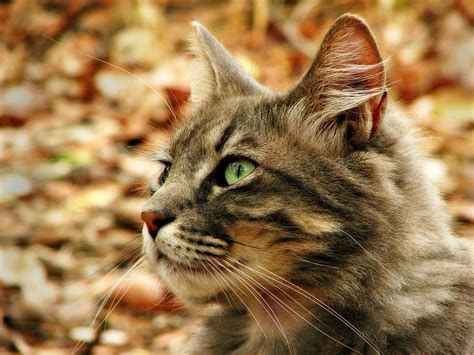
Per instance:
(174,265)
(194,266)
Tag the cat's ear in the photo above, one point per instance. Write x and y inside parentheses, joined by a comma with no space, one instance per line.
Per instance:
(215,72)
(345,86)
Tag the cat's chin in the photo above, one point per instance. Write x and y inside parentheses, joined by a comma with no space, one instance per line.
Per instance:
(190,286)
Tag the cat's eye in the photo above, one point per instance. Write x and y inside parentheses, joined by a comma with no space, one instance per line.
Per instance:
(237,170)
(164,175)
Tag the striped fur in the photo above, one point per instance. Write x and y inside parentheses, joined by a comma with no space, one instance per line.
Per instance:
(336,243)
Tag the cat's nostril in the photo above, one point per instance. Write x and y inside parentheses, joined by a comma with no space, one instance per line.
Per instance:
(154,221)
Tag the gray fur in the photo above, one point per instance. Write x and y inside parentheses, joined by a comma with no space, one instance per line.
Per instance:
(350,220)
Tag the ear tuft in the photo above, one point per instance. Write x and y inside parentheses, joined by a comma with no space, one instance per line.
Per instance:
(215,72)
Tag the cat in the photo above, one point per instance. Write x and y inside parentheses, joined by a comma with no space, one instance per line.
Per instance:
(303,219)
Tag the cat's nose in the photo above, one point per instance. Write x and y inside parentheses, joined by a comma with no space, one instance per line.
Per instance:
(154,221)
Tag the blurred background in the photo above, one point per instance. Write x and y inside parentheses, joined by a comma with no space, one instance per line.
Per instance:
(84,85)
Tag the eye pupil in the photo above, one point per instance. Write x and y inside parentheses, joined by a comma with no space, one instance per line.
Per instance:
(239,169)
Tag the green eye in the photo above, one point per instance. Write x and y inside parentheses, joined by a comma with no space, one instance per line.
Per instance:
(237,170)
(165,174)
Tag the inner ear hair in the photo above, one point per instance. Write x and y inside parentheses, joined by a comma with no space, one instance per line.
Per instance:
(344,88)
(357,131)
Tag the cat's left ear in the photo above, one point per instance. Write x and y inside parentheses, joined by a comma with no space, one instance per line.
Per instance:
(344,89)
(215,72)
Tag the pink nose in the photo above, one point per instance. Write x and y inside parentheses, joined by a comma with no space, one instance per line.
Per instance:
(154,221)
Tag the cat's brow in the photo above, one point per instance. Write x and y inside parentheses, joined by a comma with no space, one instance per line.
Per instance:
(247,142)
(225,136)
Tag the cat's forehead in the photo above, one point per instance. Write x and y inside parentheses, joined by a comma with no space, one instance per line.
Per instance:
(215,127)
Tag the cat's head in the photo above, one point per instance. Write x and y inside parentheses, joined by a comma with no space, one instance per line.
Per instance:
(256,183)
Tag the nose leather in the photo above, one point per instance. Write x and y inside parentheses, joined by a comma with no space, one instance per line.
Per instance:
(154,221)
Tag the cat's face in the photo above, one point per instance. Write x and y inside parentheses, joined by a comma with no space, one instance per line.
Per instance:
(256,184)
(221,216)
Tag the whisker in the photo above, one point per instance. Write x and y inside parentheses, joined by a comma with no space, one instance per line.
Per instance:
(256,283)
(283,255)
(274,317)
(164,297)
(370,254)
(309,296)
(115,302)
(265,304)
(214,266)
(288,309)
(128,253)
(84,294)
(279,289)
(216,271)
(217,281)
(107,296)
(312,262)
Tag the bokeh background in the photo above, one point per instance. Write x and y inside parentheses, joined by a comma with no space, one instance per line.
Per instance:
(84,85)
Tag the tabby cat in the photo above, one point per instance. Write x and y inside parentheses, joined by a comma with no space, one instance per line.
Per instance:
(304,218)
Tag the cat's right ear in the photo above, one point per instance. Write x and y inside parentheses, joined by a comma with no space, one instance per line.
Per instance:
(215,72)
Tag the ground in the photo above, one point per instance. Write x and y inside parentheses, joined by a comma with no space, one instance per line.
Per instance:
(85,84)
